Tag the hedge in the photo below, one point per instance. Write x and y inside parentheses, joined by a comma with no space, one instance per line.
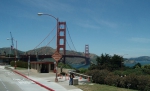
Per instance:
(21,64)
(132,81)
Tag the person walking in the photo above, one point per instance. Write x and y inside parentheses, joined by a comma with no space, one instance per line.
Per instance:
(71,79)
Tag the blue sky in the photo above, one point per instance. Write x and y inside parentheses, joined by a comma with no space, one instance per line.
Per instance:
(119,27)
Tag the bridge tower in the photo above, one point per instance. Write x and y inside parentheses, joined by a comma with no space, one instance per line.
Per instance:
(87,54)
(61,38)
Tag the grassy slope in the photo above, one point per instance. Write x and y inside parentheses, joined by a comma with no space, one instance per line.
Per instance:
(98,87)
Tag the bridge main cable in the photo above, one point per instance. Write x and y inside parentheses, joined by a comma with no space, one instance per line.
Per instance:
(45,37)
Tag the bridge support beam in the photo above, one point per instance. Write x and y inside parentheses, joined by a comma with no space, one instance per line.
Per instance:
(61,38)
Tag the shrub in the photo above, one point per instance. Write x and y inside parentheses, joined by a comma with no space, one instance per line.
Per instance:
(62,65)
(122,82)
(98,76)
(112,79)
(19,64)
(143,83)
(12,63)
(147,88)
(82,70)
(146,69)
(137,71)
(133,80)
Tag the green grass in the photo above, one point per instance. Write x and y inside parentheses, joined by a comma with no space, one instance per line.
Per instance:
(99,87)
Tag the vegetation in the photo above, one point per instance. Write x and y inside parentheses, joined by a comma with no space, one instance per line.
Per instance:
(98,87)
(20,64)
(62,65)
(110,70)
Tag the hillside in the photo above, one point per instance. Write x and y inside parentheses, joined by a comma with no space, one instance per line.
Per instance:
(7,51)
(142,58)
(50,51)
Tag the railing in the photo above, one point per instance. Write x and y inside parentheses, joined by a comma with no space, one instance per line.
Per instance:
(82,75)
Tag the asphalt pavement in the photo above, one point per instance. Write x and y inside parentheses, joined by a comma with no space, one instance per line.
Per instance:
(10,81)
(47,80)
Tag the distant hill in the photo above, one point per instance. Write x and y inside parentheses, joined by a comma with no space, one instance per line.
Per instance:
(7,51)
(142,58)
(50,51)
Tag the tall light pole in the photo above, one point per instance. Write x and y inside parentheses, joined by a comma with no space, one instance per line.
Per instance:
(15,51)
(56,79)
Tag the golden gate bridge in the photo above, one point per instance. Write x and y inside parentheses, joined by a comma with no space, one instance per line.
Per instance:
(61,37)
(61,29)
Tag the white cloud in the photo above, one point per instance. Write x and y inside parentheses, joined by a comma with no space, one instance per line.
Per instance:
(87,25)
(108,23)
(52,5)
(140,40)
(105,23)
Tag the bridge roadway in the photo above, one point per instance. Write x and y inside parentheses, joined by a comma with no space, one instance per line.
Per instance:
(34,57)
(49,56)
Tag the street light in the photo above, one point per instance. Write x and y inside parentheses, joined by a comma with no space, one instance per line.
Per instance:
(56,24)
(48,15)
(56,79)
(16,51)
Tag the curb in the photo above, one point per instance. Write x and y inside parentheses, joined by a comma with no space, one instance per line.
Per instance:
(34,81)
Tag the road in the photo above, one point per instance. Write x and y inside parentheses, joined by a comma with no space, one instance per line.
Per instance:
(10,81)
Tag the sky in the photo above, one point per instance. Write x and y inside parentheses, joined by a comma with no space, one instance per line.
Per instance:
(119,27)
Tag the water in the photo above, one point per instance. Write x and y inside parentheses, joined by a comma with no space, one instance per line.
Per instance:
(141,62)
(77,66)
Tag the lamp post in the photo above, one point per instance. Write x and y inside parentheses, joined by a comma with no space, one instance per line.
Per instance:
(56,79)
(15,51)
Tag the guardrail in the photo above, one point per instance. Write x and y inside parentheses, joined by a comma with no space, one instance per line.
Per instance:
(82,75)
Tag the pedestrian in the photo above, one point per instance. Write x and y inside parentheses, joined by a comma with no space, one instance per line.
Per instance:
(71,79)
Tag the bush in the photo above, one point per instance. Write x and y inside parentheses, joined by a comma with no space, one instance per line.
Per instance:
(112,79)
(137,71)
(146,69)
(12,63)
(133,80)
(82,70)
(21,64)
(62,65)
(98,76)
(143,83)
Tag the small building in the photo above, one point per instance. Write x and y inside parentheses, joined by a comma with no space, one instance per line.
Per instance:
(45,65)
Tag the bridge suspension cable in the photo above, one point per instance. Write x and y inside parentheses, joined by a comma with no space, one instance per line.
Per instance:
(71,39)
(48,43)
(45,38)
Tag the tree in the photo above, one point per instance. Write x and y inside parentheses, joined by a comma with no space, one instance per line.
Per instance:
(5,52)
(108,62)
(117,62)
(138,65)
